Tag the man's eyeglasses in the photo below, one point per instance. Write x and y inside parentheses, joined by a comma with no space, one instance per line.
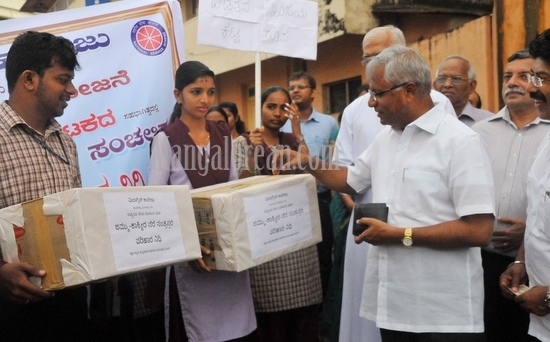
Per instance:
(537,81)
(366,59)
(299,86)
(456,80)
(378,94)
(524,77)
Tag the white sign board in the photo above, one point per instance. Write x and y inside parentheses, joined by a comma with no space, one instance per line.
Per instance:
(277,219)
(143,227)
(281,27)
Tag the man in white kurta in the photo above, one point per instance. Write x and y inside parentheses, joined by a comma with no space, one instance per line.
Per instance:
(436,178)
(359,127)
(537,239)
(433,171)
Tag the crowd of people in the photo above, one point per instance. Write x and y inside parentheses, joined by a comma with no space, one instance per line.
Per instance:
(464,253)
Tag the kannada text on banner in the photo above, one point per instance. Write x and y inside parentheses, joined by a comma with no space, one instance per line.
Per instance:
(128,52)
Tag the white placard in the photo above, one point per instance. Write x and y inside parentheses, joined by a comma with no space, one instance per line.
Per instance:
(277,219)
(144,228)
(282,27)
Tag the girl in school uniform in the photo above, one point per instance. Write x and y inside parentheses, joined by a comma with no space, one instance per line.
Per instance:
(287,291)
(201,304)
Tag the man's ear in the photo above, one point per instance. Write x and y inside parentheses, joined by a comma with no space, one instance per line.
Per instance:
(473,85)
(28,78)
(410,88)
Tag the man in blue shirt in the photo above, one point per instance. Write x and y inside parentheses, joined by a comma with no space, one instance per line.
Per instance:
(317,129)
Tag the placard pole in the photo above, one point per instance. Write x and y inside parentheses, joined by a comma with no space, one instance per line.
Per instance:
(257,91)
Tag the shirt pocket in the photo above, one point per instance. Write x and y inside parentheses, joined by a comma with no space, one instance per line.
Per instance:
(418,191)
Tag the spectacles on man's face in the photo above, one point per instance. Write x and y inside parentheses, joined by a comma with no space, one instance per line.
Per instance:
(456,80)
(299,86)
(366,59)
(537,81)
(376,95)
(523,77)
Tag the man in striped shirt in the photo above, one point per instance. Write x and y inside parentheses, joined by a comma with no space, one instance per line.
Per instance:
(513,136)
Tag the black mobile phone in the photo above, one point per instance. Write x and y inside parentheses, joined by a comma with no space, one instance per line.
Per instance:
(378,211)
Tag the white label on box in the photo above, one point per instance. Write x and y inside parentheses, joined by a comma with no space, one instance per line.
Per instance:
(277,219)
(145,228)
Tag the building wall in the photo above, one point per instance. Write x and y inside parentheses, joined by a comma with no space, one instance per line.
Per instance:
(544,13)
(516,23)
(486,42)
(338,59)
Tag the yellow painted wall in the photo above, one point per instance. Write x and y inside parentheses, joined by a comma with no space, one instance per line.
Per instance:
(486,42)
(544,19)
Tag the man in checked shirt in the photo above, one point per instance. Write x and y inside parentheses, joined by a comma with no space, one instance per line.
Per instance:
(37,159)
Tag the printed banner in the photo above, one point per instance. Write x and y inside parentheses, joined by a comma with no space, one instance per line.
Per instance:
(128,52)
(282,27)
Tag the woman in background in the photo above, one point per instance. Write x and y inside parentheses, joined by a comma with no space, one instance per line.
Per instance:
(236,125)
(201,304)
(217,115)
(287,291)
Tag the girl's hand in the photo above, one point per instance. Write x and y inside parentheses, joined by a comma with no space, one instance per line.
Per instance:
(293,114)
(256,138)
(199,265)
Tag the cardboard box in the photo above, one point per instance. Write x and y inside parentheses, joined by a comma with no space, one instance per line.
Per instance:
(254,220)
(83,235)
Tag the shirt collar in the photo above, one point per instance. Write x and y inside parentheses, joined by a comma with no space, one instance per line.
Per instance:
(430,120)
(9,116)
(469,111)
(504,114)
(13,119)
(314,115)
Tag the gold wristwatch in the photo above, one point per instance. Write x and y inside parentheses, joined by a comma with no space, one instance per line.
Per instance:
(407,238)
